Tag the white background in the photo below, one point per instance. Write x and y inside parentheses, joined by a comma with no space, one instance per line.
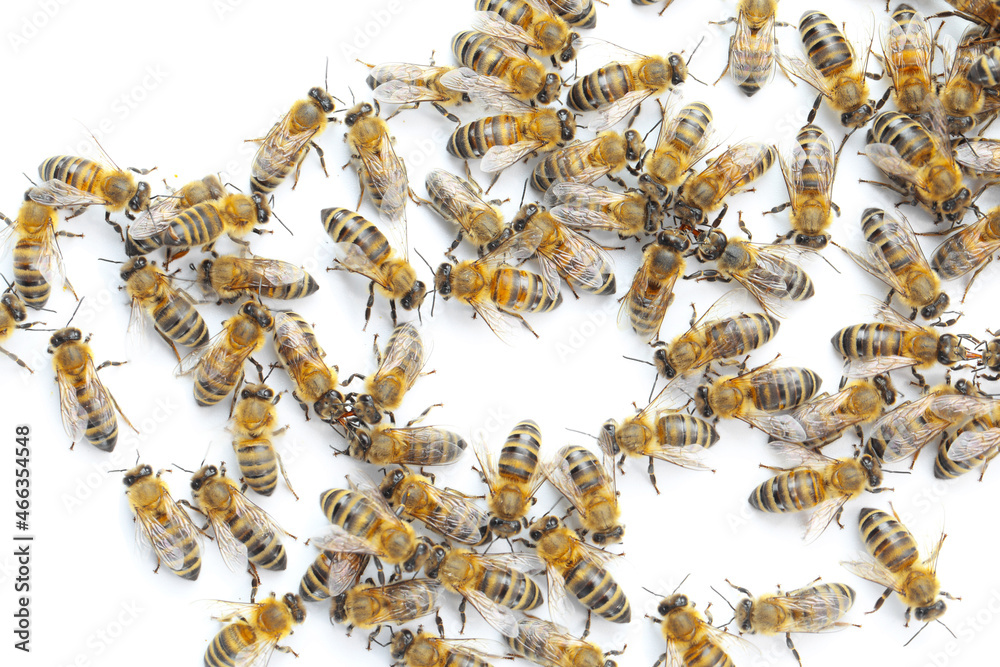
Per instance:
(181,90)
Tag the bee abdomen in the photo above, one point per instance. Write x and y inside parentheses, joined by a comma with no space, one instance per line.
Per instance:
(350,511)
(595,588)
(600,88)
(227,645)
(824,44)
(791,491)
(258,464)
(519,457)
(180,322)
(865,341)
(512,589)
(786,388)
(190,567)
(313,586)
(79,172)
(264,549)
(683,430)
(199,225)
(345,226)
(31,284)
(523,291)
(887,540)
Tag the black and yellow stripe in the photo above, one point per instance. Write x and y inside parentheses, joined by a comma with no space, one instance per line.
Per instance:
(678,429)
(824,44)
(791,491)
(258,462)
(598,591)
(514,290)
(474,139)
(777,389)
(887,540)
(601,87)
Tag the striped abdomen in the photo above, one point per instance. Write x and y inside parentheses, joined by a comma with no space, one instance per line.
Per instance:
(518,461)
(479,52)
(601,87)
(177,319)
(985,69)
(264,548)
(751,57)
(258,463)
(271,165)
(705,653)
(346,226)
(887,540)
(566,165)
(227,645)
(576,13)
(315,583)
(693,121)
(302,359)
(474,139)
(32,286)
(791,491)
(351,511)
(828,603)
(595,277)
(867,341)
(510,588)
(752,331)
(961,253)
(196,226)
(190,567)
(593,586)
(677,429)
(914,143)
(784,388)
(824,44)
(946,467)
(891,242)
(585,470)
(211,385)
(515,290)
(81,173)
(822,157)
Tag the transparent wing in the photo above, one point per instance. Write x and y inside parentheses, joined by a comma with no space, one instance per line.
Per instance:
(99,409)
(208,353)
(401,92)
(821,517)
(783,427)
(614,113)
(580,259)
(409,72)
(50,259)
(757,47)
(265,527)
(801,457)
(484,649)
(493,24)
(269,273)
(339,540)
(408,595)
(499,322)
(559,475)
(74,416)
(909,428)
(456,517)
(487,464)
(888,159)
(514,248)
(494,94)
(388,176)
(257,654)
(560,606)
(233,551)
(345,568)
(517,560)
(651,293)
(137,333)
(283,144)
(353,258)
(406,353)
(803,70)
(155,218)
(978,155)
(864,368)
(457,196)
(575,154)
(498,158)
(433,441)
(225,611)
(500,618)
(167,543)
(906,47)
(735,164)
(58,194)
(969,445)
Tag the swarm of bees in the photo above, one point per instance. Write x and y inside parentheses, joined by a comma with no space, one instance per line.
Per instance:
(529,85)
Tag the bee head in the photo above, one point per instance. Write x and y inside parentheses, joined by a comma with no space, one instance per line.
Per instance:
(950,350)
(859,117)
(955,207)
(434,560)
(442,280)
(415,296)
(360,111)
(873,470)
(201,476)
(932,310)
(135,474)
(64,335)
(420,555)
(814,241)
(331,406)
(550,89)
(609,536)
(141,197)
(401,642)
(713,246)
(259,313)
(294,605)
(543,526)
(392,480)
(132,266)
(365,408)
(520,221)
(678,68)
(676,601)
(261,207)
(569,53)
(12,302)
(360,439)
(701,402)
(662,363)
(504,528)
(608,439)
(634,146)
(931,613)
(567,124)
(744,611)
(322,98)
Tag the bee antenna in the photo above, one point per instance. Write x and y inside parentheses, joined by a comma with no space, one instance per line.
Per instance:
(28,177)
(424,259)
(573,430)
(897,472)
(264,379)
(921,630)
(99,146)
(658,123)
(524,191)
(724,599)
(682,583)
(641,361)
(696,47)
(351,91)
(10,287)
(109,261)
(653,592)
(190,472)
(234,187)
(946,628)
(117,470)
(273,215)
(326,72)
(75,310)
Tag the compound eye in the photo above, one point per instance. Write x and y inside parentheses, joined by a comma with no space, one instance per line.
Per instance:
(552,523)
(536,535)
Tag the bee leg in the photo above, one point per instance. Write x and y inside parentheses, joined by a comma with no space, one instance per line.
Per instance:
(788,642)
(284,475)
(617,181)
(836,517)
(812,113)
(878,603)
(635,114)
(973,278)
(728,63)
(423,414)
(440,624)
(921,381)
(449,253)
(586,628)
(392,311)
(527,326)
(710,275)
(722,214)
(69,234)
(374,636)
(461,615)
(660,660)
(743,227)
(16,360)
(378,568)
(170,343)
(652,475)
(285,649)
(254,580)
(157,568)
(368,306)
(836,209)
(361,186)
(493,182)
(114,225)
(322,158)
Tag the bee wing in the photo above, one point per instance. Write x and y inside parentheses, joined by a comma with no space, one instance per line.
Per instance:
(487,464)
(581,258)
(980,155)
(517,560)
(75,417)
(493,24)
(560,606)
(877,265)
(586,219)
(757,46)
(660,301)
(730,643)
(267,273)
(783,427)
(263,525)
(458,517)
(429,439)
(558,474)
(137,333)
(370,491)
(458,197)
(614,113)
(405,349)
(578,153)
(815,604)
(388,176)
(821,517)
(573,193)
(257,654)
(737,162)
(909,433)
(801,457)
(155,218)
(685,457)
(820,418)
(498,322)
(485,649)
(58,194)
(491,92)
(212,351)
(167,544)
(888,159)
(405,595)
(864,368)
(281,145)
(806,72)
(345,568)
(339,540)
(502,619)
(387,72)
(969,445)
(353,258)
(675,653)
(514,248)
(234,552)
(906,46)
(498,158)
(401,92)
(225,611)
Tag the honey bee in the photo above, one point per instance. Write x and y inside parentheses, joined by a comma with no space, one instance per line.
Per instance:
(503,140)
(242,530)
(973,444)
(751,48)
(588,161)
(76,181)
(397,371)
(253,631)
(512,479)
(253,425)
(448,513)
(527,22)
(919,163)
(614,90)
(816,608)
(163,522)
(168,207)
(765,270)
(545,643)
(218,365)
(38,262)
(200,225)
(978,157)
(495,290)
(332,573)
(985,13)
(833,70)
(809,174)
(895,342)
(583,207)
(495,66)
(692,640)
(652,290)
(683,141)
(361,248)
(728,174)
(369,606)
(492,583)
(711,339)
(380,171)
(383,444)
(985,69)
(576,13)
(818,483)
(969,249)
(588,487)
(894,256)
(668,435)
(230,277)
(457,202)
(964,102)
(756,395)
(286,144)
(426,650)
(580,261)
(408,85)
(301,356)
(896,565)
(88,408)
(12,316)
(907,47)
(173,312)
(827,416)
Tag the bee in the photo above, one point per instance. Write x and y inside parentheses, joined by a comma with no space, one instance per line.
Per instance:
(818,483)
(88,408)
(230,277)
(253,425)
(332,573)
(979,157)
(907,47)
(985,13)
(586,162)
(409,85)
(12,316)
(833,70)
(985,69)
(827,416)
(209,188)
(380,171)
(652,290)
(495,290)
(253,631)
(457,202)
(756,395)
(576,13)
(77,181)
(512,479)
(728,174)
(692,640)
(201,225)
(969,249)
(583,207)
(242,530)
(751,48)
(38,262)
(163,522)
(492,583)
(765,270)
(369,606)
(895,342)
(383,444)
(682,142)
(580,261)
(397,371)
(493,66)
(588,487)
(361,248)
(173,312)
(964,102)
(713,339)
(897,565)
(527,22)
(448,513)
(545,643)
(218,365)
(973,444)
(816,608)
(614,90)
(656,433)
(571,565)
(503,140)
(809,174)
(426,650)
(919,163)
(286,144)
(301,356)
